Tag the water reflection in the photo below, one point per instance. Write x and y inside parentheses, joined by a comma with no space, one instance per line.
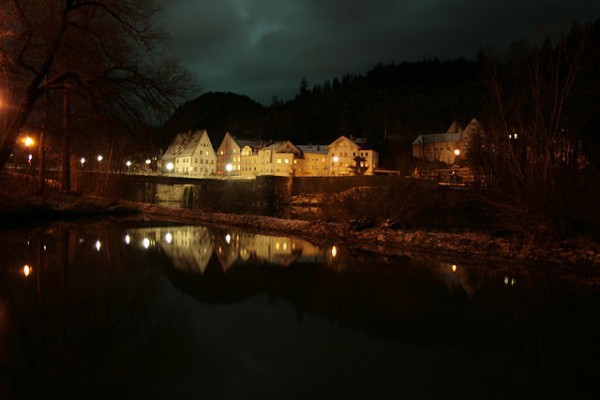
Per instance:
(190,311)
(191,248)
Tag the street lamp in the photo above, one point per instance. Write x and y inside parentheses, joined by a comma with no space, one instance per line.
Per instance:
(169,166)
(82,161)
(28,141)
(457,152)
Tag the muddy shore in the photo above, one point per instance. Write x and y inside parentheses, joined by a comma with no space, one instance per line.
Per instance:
(382,239)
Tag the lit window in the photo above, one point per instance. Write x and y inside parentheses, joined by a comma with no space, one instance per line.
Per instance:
(287,161)
(279,161)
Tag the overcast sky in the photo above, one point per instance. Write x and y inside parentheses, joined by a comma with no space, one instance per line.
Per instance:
(262,48)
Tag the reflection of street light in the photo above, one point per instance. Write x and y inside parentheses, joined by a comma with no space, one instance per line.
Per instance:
(334,251)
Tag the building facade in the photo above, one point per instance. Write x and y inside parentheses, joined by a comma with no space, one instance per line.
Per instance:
(190,154)
(349,156)
(446,147)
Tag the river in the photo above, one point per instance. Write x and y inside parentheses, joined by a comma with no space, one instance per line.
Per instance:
(122,309)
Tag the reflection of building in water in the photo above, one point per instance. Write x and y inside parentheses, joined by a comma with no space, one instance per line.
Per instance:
(275,250)
(191,247)
(188,247)
(455,276)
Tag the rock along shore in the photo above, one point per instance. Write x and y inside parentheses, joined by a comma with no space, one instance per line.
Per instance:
(381,239)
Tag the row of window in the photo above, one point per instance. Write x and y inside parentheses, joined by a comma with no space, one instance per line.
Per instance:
(187,160)
(189,169)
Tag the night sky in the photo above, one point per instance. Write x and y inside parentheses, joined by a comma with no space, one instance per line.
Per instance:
(262,48)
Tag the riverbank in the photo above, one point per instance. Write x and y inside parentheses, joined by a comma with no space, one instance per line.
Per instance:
(383,239)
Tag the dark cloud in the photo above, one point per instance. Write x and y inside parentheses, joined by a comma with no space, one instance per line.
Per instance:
(264,47)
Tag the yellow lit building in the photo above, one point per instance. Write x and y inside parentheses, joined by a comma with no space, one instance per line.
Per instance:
(313,161)
(350,156)
(229,155)
(278,159)
(249,161)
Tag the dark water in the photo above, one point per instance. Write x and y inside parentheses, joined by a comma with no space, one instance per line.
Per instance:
(109,310)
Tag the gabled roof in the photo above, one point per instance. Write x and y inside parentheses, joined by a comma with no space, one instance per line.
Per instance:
(277,147)
(317,149)
(454,128)
(360,142)
(245,142)
(184,144)
(241,143)
(437,138)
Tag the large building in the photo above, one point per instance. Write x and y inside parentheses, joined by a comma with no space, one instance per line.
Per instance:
(229,155)
(313,161)
(190,154)
(350,156)
(447,146)
(278,159)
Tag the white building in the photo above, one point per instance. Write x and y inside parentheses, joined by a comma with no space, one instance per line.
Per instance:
(190,154)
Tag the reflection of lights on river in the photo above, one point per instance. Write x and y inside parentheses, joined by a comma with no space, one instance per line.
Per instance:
(334,251)
(146,243)
(27,270)
(511,281)
(127,239)
(454,267)
(98,245)
(228,238)
(169,237)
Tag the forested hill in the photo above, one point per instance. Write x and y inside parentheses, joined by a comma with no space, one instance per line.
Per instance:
(395,100)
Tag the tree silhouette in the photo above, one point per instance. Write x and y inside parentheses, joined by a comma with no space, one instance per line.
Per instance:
(104,50)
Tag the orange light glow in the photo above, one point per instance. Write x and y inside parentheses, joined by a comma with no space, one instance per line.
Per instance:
(28,141)
(334,251)
(27,270)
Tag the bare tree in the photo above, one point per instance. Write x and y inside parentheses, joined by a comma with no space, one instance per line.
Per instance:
(533,154)
(106,51)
